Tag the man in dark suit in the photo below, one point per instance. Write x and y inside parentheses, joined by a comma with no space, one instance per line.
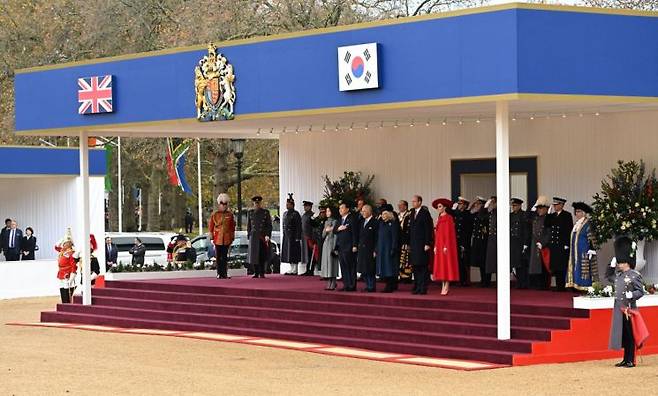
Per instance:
(13,236)
(560,224)
(347,239)
(111,253)
(3,235)
(421,240)
(366,251)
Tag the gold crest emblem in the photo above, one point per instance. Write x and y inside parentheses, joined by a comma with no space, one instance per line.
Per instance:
(214,87)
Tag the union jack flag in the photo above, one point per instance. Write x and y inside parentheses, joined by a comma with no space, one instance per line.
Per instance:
(95,94)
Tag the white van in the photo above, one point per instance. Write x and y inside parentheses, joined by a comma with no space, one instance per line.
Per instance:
(155,242)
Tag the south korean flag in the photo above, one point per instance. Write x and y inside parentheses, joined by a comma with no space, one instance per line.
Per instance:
(357,67)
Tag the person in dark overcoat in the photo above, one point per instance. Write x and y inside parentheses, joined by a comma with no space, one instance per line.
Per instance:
(628,288)
(519,243)
(259,231)
(388,248)
(560,224)
(347,239)
(479,239)
(291,247)
(28,245)
(367,247)
(421,242)
(491,261)
(464,231)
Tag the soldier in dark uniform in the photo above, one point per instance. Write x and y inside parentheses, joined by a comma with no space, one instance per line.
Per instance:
(628,288)
(318,226)
(519,243)
(537,270)
(560,224)
(479,239)
(464,230)
(291,248)
(491,261)
(259,231)
(308,242)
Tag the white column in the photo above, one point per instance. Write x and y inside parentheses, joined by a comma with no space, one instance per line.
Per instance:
(120,184)
(502,234)
(198,172)
(83,201)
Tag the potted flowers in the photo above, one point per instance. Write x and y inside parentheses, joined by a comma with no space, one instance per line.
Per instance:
(627,204)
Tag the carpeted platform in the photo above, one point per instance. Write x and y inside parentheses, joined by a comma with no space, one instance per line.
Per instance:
(461,325)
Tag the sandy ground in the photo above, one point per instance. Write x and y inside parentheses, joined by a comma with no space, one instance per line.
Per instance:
(46,361)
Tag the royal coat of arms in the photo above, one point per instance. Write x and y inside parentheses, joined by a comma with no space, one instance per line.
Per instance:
(213,85)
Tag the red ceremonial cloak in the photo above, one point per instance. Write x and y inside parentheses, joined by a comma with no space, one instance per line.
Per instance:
(446,267)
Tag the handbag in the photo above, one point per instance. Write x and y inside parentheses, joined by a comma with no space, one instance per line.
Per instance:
(640,331)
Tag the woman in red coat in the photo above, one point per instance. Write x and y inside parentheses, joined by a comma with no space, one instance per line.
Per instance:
(446,267)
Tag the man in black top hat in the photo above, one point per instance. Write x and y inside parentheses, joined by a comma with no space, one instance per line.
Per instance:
(308,242)
(628,288)
(259,231)
(560,224)
(519,243)
(291,248)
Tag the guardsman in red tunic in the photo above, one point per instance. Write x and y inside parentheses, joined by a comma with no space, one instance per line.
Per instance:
(68,266)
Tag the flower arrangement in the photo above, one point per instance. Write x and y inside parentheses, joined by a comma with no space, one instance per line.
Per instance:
(650,288)
(598,290)
(627,204)
(347,189)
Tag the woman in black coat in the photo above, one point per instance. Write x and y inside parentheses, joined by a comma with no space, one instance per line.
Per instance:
(138,251)
(28,244)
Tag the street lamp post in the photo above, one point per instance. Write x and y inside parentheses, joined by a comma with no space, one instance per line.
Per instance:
(237,146)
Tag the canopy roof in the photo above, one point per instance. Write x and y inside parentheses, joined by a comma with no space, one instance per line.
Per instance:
(543,59)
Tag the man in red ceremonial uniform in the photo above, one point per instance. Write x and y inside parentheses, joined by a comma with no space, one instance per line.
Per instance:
(67,261)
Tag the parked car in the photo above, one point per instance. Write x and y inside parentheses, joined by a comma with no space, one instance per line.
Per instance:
(155,242)
(237,252)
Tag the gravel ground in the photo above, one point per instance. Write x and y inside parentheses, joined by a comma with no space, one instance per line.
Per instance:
(46,361)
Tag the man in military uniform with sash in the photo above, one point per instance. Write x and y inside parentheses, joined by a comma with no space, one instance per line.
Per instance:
(560,224)
(519,243)
(259,231)
(464,230)
(628,289)
(291,249)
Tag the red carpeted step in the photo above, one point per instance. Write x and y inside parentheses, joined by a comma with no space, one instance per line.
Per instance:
(441,314)
(364,319)
(450,352)
(319,295)
(286,324)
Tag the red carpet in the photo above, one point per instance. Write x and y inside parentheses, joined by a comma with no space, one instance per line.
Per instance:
(461,325)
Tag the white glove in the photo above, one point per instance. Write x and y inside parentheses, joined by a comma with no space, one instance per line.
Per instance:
(445,250)
(76,254)
(454,206)
(525,247)
(539,246)
(629,294)
(591,253)
(566,247)
(487,204)
(613,262)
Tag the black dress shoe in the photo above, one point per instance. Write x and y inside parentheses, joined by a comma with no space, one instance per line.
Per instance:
(620,364)
(262,276)
(255,276)
(629,365)
(342,289)
(351,289)
(423,292)
(307,273)
(415,292)
(371,290)
(365,289)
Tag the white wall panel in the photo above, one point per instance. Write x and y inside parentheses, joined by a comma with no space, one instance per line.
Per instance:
(574,154)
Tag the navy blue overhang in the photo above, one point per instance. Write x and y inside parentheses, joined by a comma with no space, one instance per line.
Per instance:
(48,161)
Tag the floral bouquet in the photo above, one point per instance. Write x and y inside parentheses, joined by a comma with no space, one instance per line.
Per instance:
(598,290)
(651,288)
(627,204)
